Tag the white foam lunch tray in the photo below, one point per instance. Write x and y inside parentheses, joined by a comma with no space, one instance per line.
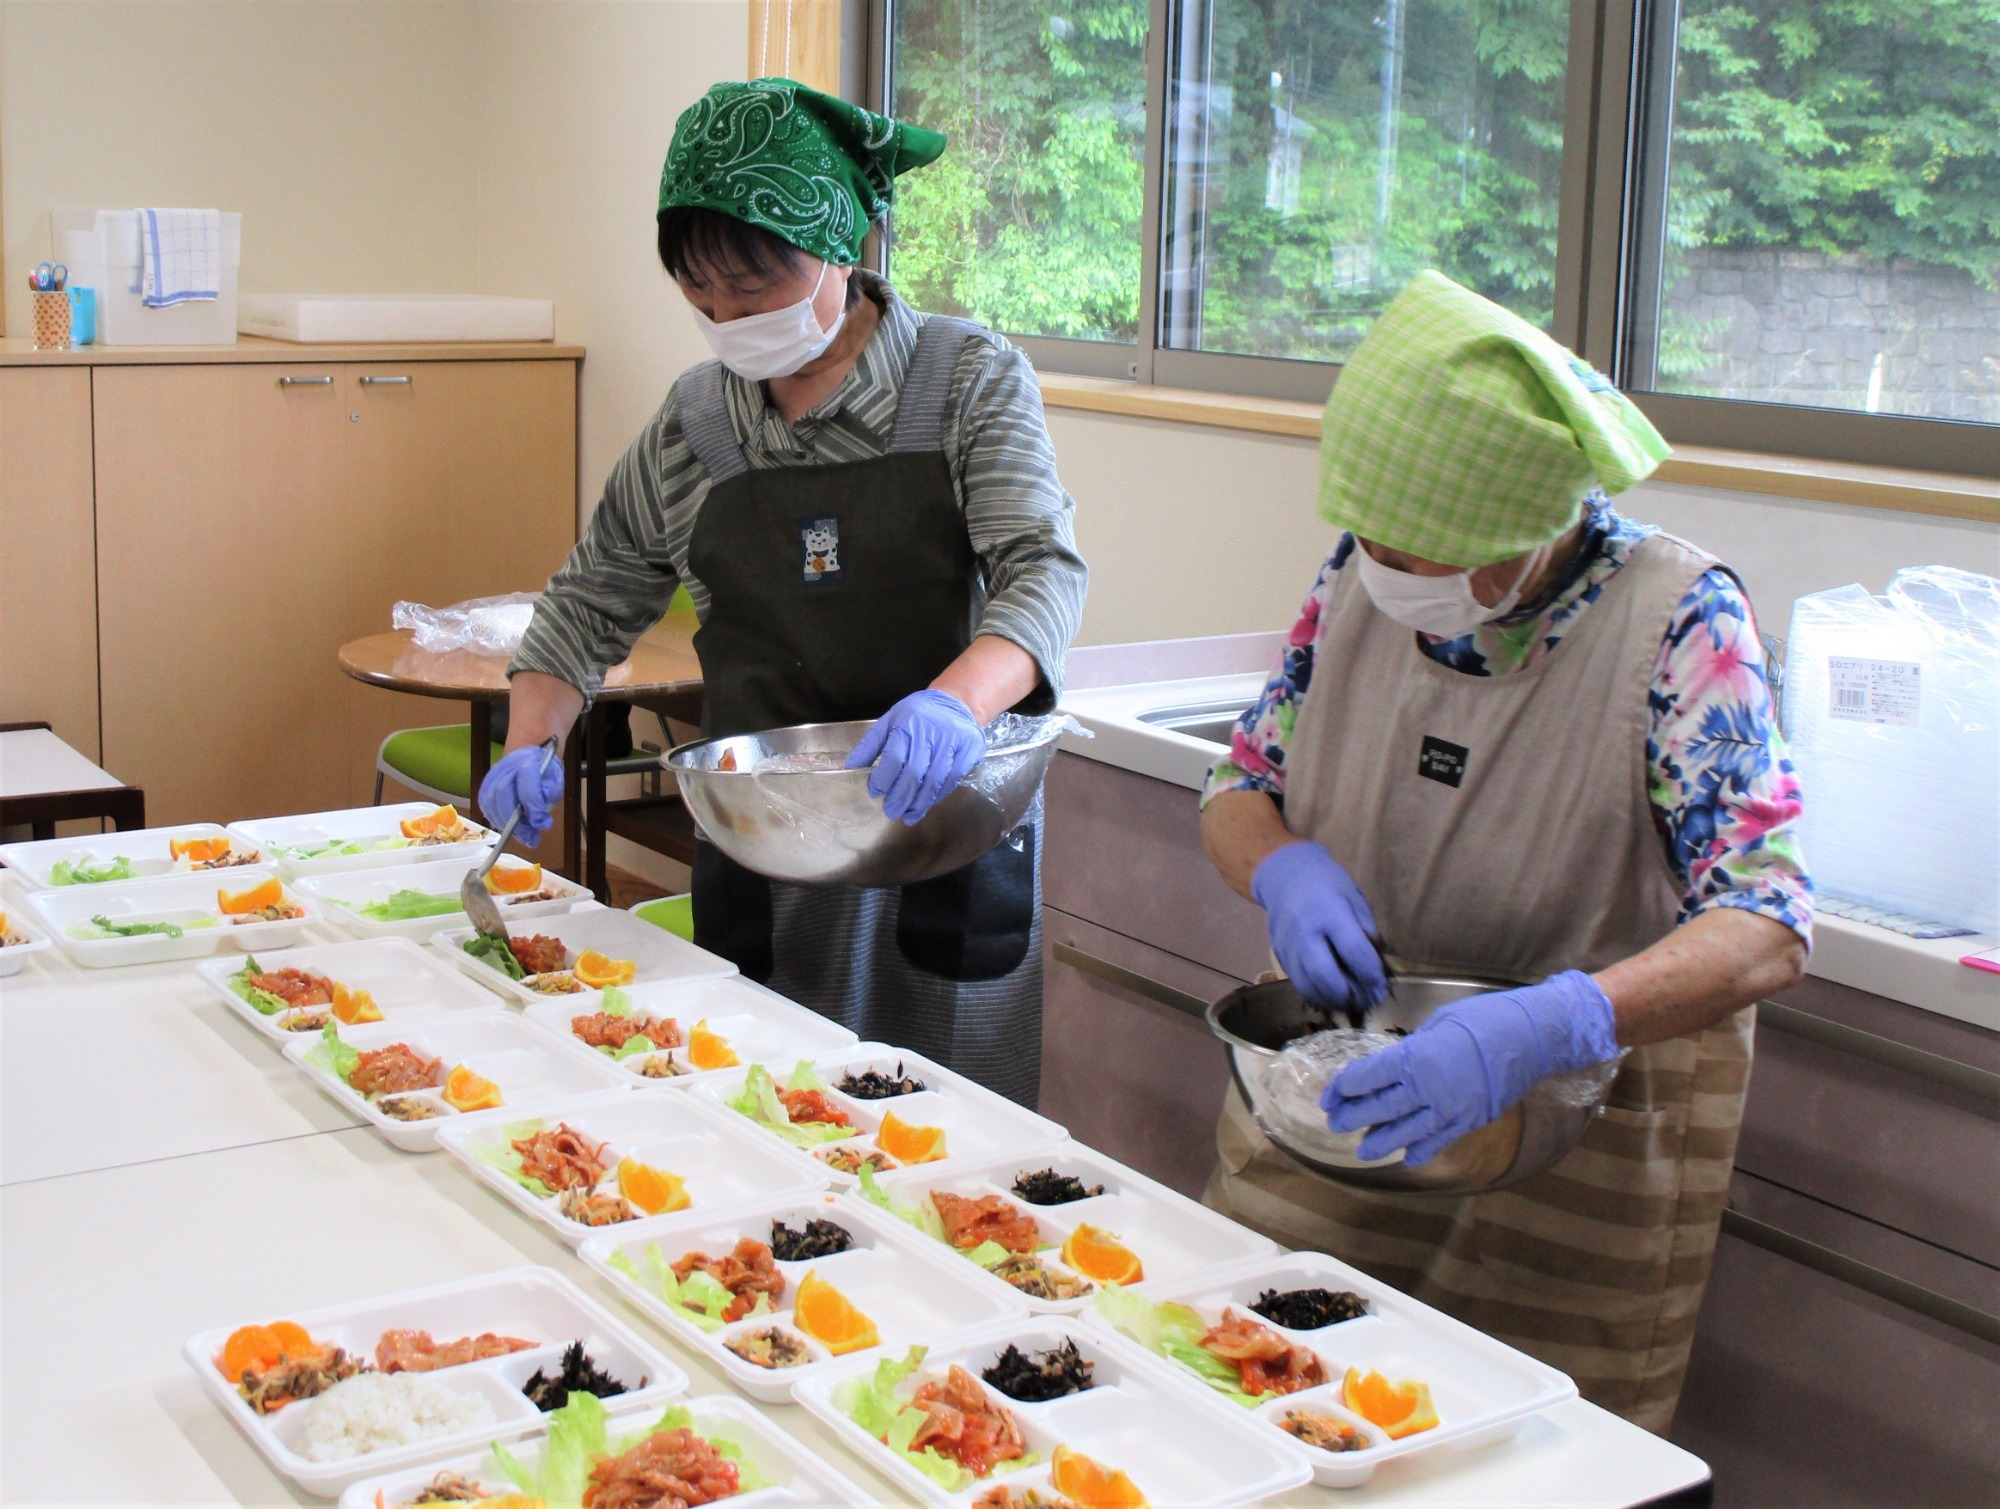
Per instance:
(759,1025)
(529,1070)
(895,1277)
(341,895)
(183,899)
(1175,1238)
(316,317)
(1483,1390)
(658,953)
(355,825)
(536,1304)
(978,1124)
(677,1134)
(32,940)
(147,849)
(406,982)
(795,1475)
(1177,1447)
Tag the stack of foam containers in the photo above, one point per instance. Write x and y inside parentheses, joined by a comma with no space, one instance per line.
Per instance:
(102,251)
(1892,709)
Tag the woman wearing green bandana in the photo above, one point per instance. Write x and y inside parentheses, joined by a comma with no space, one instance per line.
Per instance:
(1517,736)
(862,502)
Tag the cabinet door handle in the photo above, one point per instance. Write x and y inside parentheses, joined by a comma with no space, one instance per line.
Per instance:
(305,382)
(385,382)
(1132,980)
(1935,1067)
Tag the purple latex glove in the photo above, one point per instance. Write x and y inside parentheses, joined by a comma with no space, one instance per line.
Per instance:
(1468,1063)
(1320,926)
(515,782)
(921,749)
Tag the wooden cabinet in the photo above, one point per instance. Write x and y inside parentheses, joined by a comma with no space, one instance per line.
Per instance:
(253,517)
(48,578)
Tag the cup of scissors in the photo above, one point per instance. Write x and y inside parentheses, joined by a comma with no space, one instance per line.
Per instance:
(47,286)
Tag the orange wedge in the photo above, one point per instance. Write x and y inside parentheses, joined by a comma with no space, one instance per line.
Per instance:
(822,1311)
(293,1339)
(1097,1254)
(466,1091)
(248,1347)
(912,1144)
(514,880)
(438,820)
(1092,1485)
(354,1006)
(710,1050)
(594,971)
(199,850)
(653,1190)
(239,903)
(1401,1409)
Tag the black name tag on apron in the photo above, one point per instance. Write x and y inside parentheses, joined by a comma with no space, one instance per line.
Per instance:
(1441,760)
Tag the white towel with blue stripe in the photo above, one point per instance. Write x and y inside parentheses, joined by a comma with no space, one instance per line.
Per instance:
(180,255)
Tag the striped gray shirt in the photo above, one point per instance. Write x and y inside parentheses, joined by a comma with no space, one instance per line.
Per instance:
(620,577)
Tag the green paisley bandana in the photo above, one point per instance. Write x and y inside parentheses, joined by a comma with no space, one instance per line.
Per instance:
(1460,433)
(812,170)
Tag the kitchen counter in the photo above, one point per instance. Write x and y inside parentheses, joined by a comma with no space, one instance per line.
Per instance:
(19,351)
(217,1183)
(1113,688)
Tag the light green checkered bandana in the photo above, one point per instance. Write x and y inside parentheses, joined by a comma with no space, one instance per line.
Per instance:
(1460,433)
(812,170)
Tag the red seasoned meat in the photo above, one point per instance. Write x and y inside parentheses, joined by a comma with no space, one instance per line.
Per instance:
(294,987)
(989,1218)
(601,1029)
(964,1424)
(540,954)
(746,1273)
(393,1070)
(415,1352)
(1266,1362)
(812,1105)
(670,1469)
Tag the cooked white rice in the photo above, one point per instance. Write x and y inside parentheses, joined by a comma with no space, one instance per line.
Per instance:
(377,1411)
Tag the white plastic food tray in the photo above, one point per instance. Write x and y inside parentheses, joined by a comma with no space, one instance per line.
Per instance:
(406,982)
(1483,1390)
(896,1278)
(181,899)
(342,895)
(148,850)
(795,1475)
(1174,1238)
(978,1124)
(1177,1447)
(529,1070)
(759,1025)
(360,825)
(676,1134)
(14,956)
(617,935)
(314,317)
(535,1304)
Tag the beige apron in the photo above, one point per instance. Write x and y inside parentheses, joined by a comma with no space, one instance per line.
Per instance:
(1527,848)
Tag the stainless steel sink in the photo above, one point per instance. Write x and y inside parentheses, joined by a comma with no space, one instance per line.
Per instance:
(1212,721)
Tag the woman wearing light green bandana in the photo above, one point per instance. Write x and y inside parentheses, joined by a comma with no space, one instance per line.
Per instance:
(862,502)
(1475,763)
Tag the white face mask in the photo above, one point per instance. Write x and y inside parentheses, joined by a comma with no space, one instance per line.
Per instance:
(777,344)
(1440,605)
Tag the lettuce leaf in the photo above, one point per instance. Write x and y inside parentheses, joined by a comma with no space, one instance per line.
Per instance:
(699,1298)
(496,954)
(338,848)
(920,1213)
(500,1154)
(579,1437)
(263,1000)
(989,1254)
(615,1001)
(1174,1332)
(99,928)
(408,906)
(757,1098)
(874,1402)
(82,872)
(331,1054)
(633,1046)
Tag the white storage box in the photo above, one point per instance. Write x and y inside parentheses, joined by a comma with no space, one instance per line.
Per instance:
(397,317)
(101,250)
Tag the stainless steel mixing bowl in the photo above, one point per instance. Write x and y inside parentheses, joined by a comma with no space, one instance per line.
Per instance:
(821,827)
(1257,1021)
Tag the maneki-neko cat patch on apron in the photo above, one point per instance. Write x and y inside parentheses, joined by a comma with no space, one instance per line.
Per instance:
(819,539)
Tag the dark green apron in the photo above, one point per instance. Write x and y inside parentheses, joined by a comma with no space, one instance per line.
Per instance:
(835,591)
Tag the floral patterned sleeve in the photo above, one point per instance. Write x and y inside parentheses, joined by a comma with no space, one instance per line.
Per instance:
(1724,794)
(1256,759)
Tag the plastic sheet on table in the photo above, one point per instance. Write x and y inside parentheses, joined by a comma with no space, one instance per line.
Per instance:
(487,625)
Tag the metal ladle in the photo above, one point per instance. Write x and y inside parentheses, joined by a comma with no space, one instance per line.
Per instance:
(472,893)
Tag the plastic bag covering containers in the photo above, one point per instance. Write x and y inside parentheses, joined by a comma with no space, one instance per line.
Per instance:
(1892,707)
(101,248)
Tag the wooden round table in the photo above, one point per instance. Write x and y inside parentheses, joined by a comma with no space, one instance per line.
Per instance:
(662,666)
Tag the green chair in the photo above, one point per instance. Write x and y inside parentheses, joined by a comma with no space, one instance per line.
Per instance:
(673,913)
(433,762)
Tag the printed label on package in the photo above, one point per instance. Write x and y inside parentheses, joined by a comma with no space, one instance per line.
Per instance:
(1874,691)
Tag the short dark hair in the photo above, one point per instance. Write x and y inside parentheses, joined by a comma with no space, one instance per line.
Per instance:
(695,241)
